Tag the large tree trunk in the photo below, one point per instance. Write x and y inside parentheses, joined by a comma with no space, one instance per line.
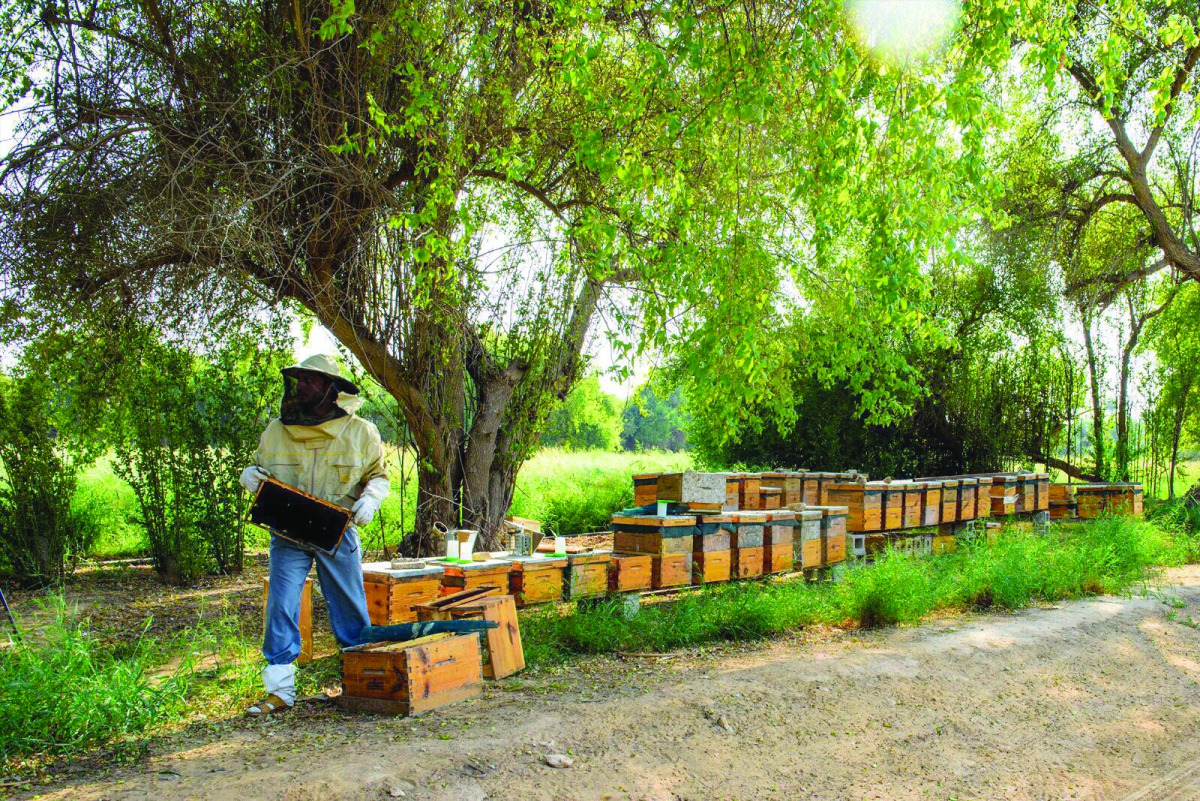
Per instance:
(1097,411)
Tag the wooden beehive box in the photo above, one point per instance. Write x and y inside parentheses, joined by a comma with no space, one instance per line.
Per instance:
(629,572)
(653,534)
(701,492)
(824,482)
(537,579)
(1091,500)
(709,567)
(732,489)
(810,546)
(950,491)
(1064,510)
(893,505)
(983,497)
(746,562)
(671,570)
(911,505)
(793,488)
(502,653)
(408,678)
(748,530)
(492,572)
(1062,492)
(835,548)
(810,488)
(645,489)
(1026,490)
(587,575)
(713,533)
(1126,499)
(749,492)
(1043,492)
(931,502)
(770,498)
(865,502)
(968,489)
(779,539)
(391,594)
(1003,485)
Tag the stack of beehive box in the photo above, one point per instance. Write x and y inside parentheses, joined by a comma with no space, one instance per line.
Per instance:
(1063,505)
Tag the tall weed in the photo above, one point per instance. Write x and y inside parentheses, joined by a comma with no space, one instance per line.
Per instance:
(66,693)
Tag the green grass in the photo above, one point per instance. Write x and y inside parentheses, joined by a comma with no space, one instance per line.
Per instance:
(1108,556)
(111,502)
(65,693)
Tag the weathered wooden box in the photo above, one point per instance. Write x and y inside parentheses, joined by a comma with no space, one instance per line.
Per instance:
(1064,510)
(493,572)
(749,528)
(709,567)
(1062,492)
(983,497)
(700,491)
(645,489)
(1003,485)
(1004,505)
(630,572)
(408,678)
(968,489)
(653,534)
(671,570)
(392,593)
(810,488)
(770,498)
(501,649)
(536,579)
(1043,492)
(893,505)
(1127,500)
(749,492)
(931,501)
(586,575)
(950,491)
(911,505)
(779,541)
(811,543)
(835,549)
(747,562)
(865,502)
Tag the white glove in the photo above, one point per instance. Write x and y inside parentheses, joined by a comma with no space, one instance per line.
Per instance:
(252,476)
(367,505)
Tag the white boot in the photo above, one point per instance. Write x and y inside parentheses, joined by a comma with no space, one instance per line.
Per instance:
(280,683)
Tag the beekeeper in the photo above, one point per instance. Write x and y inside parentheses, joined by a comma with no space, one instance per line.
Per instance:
(318,444)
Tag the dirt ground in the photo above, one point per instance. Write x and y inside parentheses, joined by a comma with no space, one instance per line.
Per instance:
(1095,699)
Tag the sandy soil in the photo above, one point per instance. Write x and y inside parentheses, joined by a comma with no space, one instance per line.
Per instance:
(1093,699)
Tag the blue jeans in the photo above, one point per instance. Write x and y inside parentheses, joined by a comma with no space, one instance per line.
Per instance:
(341,583)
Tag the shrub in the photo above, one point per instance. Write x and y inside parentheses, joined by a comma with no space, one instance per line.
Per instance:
(39,528)
(189,426)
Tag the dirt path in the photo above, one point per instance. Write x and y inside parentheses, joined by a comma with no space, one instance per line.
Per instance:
(1092,699)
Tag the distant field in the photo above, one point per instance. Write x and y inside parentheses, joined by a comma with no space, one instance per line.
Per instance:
(571,492)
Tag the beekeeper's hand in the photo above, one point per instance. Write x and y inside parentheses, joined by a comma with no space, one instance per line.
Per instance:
(366,507)
(252,476)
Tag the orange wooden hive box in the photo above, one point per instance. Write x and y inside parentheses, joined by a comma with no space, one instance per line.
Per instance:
(391,594)
(653,534)
(746,544)
(671,570)
(779,541)
(467,576)
(587,575)
(502,653)
(911,507)
(645,489)
(893,505)
(536,579)
(711,557)
(968,488)
(808,549)
(629,572)
(950,491)
(749,492)
(931,501)
(408,678)
(865,502)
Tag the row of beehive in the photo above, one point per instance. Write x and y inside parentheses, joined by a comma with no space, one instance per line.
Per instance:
(1089,501)
(650,553)
(873,505)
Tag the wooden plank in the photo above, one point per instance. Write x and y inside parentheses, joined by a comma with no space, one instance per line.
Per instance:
(505,655)
(777,558)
